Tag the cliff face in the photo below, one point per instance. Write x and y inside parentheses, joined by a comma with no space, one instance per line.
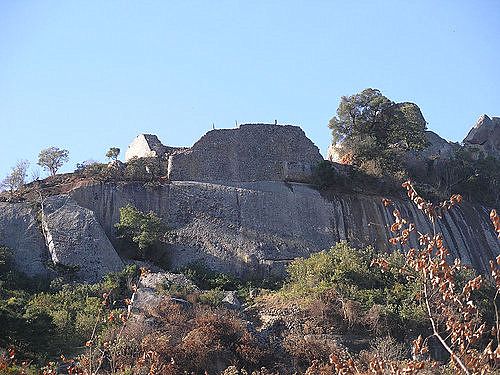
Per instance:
(250,229)
(259,227)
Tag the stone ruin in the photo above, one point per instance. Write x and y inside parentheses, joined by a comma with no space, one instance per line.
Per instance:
(148,146)
(251,152)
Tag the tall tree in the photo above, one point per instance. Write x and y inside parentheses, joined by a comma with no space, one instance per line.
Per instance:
(52,158)
(370,127)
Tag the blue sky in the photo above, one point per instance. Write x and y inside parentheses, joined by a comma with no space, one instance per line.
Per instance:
(88,75)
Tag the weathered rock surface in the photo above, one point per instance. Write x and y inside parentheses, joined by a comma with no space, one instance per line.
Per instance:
(19,231)
(149,293)
(252,152)
(485,136)
(76,239)
(251,229)
(154,280)
(147,146)
(231,300)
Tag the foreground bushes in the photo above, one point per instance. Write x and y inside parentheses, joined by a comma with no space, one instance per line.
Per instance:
(44,321)
(366,297)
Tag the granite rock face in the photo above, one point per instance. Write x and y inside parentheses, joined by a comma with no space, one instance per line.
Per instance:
(256,228)
(485,136)
(250,229)
(76,239)
(20,232)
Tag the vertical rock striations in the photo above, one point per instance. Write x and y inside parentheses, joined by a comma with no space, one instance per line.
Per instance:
(20,232)
(75,239)
(260,226)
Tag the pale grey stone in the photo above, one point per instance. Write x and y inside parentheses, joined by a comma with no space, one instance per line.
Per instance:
(147,146)
(153,280)
(485,136)
(19,231)
(75,238)
(255,229)
(231,300)
(252,152)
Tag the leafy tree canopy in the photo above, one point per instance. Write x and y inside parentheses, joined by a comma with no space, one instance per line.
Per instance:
(52,158)
(369,127)
(143,229)
(113,153)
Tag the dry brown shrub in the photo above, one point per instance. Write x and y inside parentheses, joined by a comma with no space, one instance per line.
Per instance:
(201,338)
(372,319)
(352,311)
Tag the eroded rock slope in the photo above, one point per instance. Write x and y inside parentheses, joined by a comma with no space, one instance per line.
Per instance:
(249,229)
(259,227)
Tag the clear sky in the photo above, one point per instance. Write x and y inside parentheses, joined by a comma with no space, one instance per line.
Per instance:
(88,75)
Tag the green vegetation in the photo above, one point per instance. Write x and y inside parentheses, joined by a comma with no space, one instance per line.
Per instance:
(328,176)
(42,321)
(144,169)
(52,158)
(373,132)
(113,153)
(474,176)
(145,230)
(208,279)
(347,275)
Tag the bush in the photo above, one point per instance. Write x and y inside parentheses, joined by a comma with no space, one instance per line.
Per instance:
(144,169)
(364,294)
(145,230)
(212,297)
(42,325)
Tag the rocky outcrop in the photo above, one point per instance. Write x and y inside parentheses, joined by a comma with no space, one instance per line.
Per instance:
(251,229)
(485,136)
(75,239)
(20,232)
(255,229)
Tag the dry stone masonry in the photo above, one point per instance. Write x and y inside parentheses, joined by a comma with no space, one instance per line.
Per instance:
(148,146)
(252,152)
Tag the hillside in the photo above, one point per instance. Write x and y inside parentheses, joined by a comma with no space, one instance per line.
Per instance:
(235,214)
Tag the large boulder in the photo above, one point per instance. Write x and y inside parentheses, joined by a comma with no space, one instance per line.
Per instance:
(76,239)
(485,136)
(19,231)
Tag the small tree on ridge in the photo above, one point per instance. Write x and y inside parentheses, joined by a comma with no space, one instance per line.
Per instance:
(52,158)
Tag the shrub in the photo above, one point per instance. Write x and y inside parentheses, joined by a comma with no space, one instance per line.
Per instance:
(365,294)
(144,169)
(212,297)
(145,230)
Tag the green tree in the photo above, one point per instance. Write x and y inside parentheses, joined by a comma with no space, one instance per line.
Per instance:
(17,177)
(143,229)
(113,153)
(52,158)
(369,127)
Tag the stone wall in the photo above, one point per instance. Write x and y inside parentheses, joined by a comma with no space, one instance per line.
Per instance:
(252,152)
(148,146)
